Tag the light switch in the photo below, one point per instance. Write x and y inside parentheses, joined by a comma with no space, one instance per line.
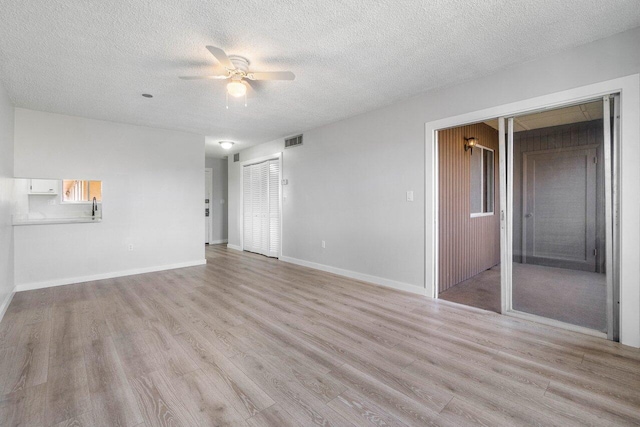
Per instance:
(409,196)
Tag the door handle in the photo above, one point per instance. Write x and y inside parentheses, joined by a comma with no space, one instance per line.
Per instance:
(529,215)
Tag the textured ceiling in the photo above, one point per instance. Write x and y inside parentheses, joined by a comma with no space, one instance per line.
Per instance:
(95,58)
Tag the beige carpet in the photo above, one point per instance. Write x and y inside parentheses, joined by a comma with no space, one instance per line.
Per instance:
(575,297)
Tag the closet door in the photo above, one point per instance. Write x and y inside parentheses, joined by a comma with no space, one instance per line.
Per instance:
(247,204)
(263,170)
(274,208)
(256,206)
(261,208)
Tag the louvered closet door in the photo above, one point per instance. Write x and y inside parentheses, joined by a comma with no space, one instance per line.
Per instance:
(263,170)
(256,206)
(261,208)
(274,207)
(247,203)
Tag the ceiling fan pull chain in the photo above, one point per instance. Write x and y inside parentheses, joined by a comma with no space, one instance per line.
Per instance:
(245,99)
(227,103)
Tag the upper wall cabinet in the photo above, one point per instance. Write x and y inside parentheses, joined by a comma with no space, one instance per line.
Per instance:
(44,186)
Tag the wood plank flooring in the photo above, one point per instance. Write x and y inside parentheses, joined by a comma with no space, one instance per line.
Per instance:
(251,341)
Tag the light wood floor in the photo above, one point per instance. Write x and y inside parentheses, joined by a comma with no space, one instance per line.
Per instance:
(251,341)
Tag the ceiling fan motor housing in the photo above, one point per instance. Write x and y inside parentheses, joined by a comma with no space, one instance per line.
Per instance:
(241,64)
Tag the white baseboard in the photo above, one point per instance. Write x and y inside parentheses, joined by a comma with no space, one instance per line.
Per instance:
(122,273)
(217,242)
(6,303)
(234,247)
(358,276)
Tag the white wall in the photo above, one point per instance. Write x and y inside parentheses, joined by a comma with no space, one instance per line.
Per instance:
(347,186)
(153,182)
(6,200)
(348,181)
(219,202)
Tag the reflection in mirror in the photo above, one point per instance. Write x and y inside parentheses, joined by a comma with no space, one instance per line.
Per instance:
(81,191)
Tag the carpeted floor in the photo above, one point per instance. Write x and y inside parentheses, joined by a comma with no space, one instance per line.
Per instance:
(575,297)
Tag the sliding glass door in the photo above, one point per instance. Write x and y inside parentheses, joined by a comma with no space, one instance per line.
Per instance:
(556,215)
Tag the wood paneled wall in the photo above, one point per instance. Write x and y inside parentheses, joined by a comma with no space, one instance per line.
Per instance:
(467,246)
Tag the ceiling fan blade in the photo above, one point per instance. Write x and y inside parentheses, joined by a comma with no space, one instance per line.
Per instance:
(222,57)
(219,77)
(251,86)
(272,75)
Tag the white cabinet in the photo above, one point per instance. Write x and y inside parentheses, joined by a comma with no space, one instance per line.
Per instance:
(44,186)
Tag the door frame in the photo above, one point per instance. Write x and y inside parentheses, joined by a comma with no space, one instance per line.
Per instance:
(209,219)
(275,156)
(628,175)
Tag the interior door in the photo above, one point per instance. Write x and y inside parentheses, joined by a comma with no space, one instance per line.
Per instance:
(208,174)
(559,209)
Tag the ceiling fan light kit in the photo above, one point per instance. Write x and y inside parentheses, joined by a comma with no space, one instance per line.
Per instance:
(236,89)
(237,69)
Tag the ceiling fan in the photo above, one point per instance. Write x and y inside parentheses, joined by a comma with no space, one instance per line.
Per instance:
(237,71)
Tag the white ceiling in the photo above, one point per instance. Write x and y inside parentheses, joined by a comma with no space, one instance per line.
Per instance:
(95,58)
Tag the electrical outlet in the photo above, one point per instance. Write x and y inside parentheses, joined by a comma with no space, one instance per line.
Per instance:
(130,247)
(323,244)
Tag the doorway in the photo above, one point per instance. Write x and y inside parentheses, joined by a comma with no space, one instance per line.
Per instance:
(557,239)
(469,226)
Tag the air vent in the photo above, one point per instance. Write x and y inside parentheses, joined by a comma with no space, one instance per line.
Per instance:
(293,141)
(236,157)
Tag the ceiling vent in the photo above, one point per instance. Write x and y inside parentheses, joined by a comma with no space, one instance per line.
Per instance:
(236,157)
(294,141)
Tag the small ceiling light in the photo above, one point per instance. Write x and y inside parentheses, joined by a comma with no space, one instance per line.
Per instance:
(236,89)
(147,95)
(226,144)
(469,143)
